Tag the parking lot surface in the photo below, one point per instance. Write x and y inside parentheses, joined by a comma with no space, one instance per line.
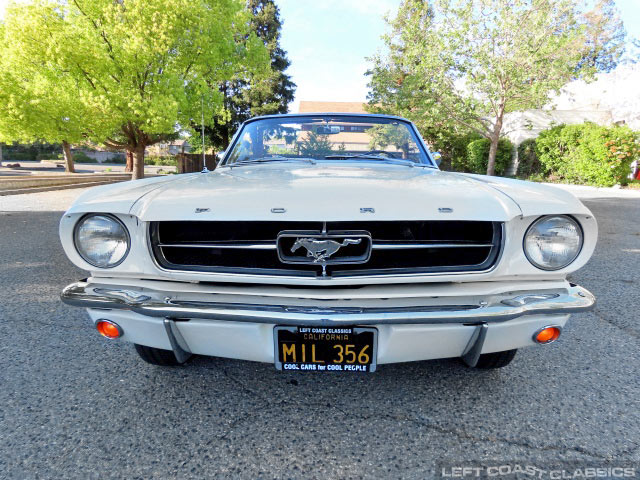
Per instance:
(73,405)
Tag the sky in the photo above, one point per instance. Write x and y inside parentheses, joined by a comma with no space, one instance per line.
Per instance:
(328,41)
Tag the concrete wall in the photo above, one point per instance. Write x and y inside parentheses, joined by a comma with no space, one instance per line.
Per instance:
(101,157)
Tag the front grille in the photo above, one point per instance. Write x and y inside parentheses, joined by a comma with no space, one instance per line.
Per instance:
(396,247)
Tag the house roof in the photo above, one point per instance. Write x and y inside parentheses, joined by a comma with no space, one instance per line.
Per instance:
(323,107)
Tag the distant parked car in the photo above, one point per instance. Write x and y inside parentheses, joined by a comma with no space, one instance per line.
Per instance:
(329,242)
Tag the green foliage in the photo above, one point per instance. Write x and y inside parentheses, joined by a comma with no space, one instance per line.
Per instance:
(528,162)
(81,157)
(277,150)
(20,156)
(605,35)
(453,148)
(315,145)
(48,156)
(126,74)
(163,160)
(464,64)
(385,135)
(266,93)
(31,151)
(478,156)
(588,153)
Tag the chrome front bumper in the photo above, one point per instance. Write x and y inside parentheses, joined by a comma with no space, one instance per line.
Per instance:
(494,309)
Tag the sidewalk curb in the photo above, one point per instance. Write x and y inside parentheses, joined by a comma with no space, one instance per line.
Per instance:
(22,191)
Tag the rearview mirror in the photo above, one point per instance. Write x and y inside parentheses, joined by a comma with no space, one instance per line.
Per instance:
(437,156)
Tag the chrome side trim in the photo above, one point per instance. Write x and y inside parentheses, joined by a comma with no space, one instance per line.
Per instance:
(163,304)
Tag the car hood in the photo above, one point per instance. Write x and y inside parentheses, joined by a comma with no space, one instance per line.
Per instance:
(328,192)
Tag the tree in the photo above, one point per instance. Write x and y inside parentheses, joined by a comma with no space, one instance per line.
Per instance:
(465,64)
(139,68)
(33,108)
(605,36)
(37,103)
(315,145)
(385,135)
(267,93)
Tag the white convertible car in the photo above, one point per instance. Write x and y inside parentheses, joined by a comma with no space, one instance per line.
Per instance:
(329,242)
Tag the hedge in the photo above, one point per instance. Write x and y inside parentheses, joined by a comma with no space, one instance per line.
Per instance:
(166,160)
(20,156)
(48,156)
(588,153)
(454,151)
(116,159)
(528,161)
(478,156)
(81,157)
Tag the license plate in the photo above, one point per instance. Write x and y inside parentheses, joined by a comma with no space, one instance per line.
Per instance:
(326,349)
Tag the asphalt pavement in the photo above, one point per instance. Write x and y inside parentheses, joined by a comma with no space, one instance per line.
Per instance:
(74,405)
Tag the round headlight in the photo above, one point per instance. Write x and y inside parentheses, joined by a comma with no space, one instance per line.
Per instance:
(553,242)
(102,240)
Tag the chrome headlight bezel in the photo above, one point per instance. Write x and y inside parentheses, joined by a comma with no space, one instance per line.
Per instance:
(76,242)
(544,218)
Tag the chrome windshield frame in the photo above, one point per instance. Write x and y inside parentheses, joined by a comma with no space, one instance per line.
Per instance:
(419,141)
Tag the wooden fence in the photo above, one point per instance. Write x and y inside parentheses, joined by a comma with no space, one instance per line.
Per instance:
(192,162)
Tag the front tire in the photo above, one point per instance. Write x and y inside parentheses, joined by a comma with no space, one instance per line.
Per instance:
(496,359)
(157,356)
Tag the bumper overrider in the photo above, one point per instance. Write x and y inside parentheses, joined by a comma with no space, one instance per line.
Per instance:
(435,327)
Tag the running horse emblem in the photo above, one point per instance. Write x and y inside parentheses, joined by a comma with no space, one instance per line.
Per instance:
(321,250)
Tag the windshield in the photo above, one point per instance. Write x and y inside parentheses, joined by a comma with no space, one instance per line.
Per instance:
(327,138)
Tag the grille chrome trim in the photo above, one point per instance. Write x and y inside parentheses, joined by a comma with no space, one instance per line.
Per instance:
(375,246)
(285,272)
(247,246)
(418,245)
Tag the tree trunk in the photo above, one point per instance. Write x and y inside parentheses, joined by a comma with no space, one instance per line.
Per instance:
(68,158)
(138,163)
(129,166)
(0,154)
(495,138)
(493,150)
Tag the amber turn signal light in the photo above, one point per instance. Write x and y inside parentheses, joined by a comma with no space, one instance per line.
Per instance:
(547,334)
(109,329)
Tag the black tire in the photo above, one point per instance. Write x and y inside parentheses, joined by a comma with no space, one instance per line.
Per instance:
(496,359)
(157,356)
